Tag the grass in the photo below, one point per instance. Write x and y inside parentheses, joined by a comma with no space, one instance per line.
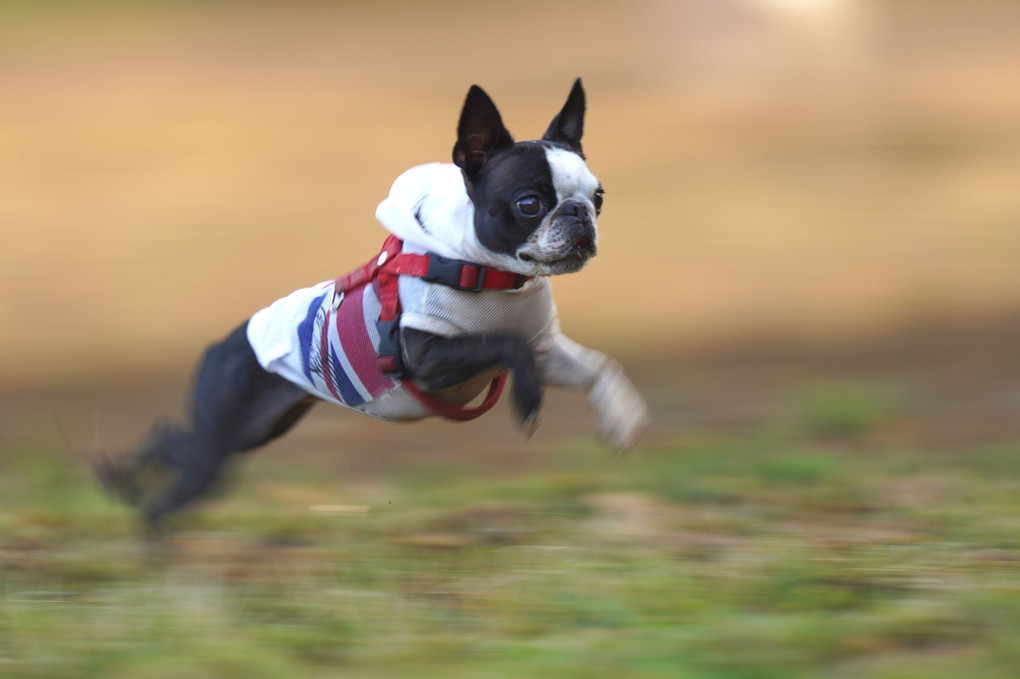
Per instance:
(772,554)
(817,546)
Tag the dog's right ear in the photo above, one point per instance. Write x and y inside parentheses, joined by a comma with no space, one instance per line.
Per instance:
(480,133)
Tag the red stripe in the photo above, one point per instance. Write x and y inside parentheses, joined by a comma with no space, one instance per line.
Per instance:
(357,345)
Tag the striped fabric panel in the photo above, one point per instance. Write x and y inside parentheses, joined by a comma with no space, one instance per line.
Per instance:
(308,331)
(338,347)
(359,339)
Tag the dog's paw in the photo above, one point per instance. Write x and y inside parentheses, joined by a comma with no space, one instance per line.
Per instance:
(527,417)
(527,404)
(119,478)
(621,414)
(529,425)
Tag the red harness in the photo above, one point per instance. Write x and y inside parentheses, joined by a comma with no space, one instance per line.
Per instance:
(387,268)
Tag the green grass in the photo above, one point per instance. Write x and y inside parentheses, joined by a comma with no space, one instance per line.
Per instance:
(769,555)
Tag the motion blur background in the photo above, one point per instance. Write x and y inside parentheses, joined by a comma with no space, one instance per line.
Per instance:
(783,174)
(808,264)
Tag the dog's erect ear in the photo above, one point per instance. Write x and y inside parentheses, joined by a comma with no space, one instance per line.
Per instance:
(568,125)
(480,133)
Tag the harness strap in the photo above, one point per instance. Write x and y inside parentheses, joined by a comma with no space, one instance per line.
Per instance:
(368,272)
(455,273)
(387,267)
(454,412)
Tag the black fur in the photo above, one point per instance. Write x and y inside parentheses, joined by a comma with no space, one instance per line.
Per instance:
(480,133)
(236,406)
(441,362)
(498,180)
(499,186)
(568,125)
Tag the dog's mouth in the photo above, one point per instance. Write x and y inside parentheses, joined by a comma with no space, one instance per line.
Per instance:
(559,248)
(572,261)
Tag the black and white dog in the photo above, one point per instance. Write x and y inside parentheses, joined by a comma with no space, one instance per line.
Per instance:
(459,295)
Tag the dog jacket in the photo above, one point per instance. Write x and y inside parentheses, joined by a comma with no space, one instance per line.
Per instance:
(328,344)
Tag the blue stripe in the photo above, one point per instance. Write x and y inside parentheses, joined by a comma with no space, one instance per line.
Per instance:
(304,333)
(348,393)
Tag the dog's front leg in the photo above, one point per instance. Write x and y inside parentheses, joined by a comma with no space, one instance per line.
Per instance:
(438,362)
(620,413)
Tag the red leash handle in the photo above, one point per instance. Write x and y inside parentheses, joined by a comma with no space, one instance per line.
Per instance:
(450,411)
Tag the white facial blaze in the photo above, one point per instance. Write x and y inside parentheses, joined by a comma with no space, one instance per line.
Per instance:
(571,176)
(551,248)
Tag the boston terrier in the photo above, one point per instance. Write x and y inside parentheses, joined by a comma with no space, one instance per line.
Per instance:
(459,295)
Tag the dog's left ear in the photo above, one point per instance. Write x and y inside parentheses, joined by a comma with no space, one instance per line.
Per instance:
(568,125)
(480,133)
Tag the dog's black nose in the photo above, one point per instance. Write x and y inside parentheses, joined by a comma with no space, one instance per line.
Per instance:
(572,208)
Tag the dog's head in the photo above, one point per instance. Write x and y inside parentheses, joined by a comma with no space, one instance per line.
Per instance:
(535,202)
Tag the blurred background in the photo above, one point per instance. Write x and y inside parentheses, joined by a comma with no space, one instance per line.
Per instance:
(782,176)
(808,264)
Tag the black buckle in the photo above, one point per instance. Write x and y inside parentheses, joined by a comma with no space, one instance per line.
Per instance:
(389,357)
(448,272)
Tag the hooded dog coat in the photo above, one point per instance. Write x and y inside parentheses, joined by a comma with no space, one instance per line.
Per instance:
(331,350)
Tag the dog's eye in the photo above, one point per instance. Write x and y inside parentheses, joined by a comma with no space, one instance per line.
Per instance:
(529,206)
(597,200)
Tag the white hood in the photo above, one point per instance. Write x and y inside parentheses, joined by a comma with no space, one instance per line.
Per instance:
(428,208)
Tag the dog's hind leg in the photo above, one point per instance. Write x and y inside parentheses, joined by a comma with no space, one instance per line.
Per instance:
(236,406)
